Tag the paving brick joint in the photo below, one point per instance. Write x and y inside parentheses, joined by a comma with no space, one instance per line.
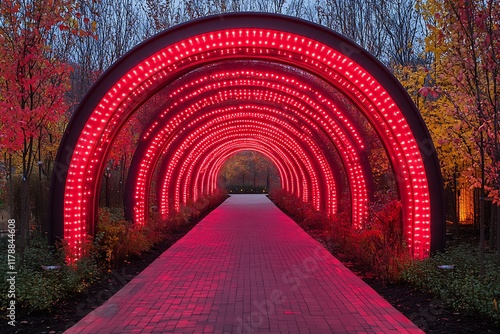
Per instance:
(246,268)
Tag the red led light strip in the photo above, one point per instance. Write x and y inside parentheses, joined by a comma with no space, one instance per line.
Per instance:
(222,131)
(206,179)
(370,96)
(298,108)
(312,155)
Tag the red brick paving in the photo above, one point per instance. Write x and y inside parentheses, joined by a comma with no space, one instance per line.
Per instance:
(246,268)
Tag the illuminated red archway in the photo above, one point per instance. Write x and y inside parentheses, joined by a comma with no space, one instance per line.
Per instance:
(262,82)
(285,117)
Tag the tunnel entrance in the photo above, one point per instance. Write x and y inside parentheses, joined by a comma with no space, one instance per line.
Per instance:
(308,99)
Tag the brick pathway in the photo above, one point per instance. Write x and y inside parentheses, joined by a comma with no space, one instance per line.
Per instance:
(246,268)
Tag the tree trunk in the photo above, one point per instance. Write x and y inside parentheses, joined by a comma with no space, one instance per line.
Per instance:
(28,157)
(11,189)
(456,213)
(42,218)
(476,196)
(493,227)
(481,204)
(25,217)
(482,249)
(122,176)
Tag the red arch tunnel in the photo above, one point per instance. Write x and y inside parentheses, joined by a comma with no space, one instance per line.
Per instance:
(278,85)
(218,86)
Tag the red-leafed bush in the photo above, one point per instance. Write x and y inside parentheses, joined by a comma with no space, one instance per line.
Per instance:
(117,239)
(378,246)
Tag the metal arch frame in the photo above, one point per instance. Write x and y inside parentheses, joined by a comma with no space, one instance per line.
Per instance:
(159,122)
(247,20)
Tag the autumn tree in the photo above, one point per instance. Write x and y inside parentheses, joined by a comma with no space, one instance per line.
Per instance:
(34,80)
(464,37)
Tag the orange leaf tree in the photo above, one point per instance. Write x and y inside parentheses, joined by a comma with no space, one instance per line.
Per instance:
(464,36)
